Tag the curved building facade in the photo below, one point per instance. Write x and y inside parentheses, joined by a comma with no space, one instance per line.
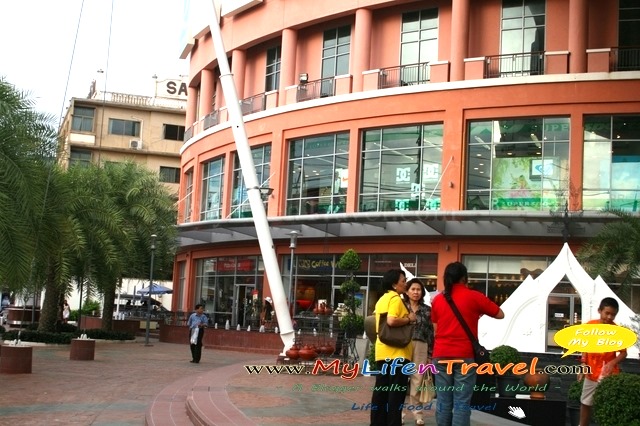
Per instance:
(420,132)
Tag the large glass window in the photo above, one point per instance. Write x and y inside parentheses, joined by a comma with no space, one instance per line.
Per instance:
(211,207)
(523,30)
(335,56)
(611,162)
(401,168)
(272,78)
(262,161)
(188,196)
(498,276)
(82,120)
(629,22)
(79,157)
(169,174)
(418,44)
(518,164)
(124,127)
(318,174)
(173,132)
(230,289)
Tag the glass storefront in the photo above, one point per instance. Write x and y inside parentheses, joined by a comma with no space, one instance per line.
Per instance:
(318,174)
(611,163)
(518,164)
(231,288)
(262,162)
(212,184)
(401,168)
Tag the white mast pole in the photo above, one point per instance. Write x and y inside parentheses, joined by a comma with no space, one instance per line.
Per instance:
(253,187)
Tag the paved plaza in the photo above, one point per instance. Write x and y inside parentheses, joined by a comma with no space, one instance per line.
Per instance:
(133,384)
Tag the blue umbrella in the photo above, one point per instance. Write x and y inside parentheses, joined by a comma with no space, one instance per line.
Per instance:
(155,289)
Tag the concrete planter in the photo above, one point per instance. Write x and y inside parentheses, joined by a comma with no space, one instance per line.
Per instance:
(16,359)
(82,349)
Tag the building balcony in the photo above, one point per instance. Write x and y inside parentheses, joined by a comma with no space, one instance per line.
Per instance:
(517,65)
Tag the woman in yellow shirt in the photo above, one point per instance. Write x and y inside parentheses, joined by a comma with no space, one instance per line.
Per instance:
(390,389)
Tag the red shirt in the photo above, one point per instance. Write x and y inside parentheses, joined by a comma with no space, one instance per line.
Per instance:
(451,340)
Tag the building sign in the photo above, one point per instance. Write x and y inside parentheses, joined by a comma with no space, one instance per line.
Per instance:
(232,264)
(171,88)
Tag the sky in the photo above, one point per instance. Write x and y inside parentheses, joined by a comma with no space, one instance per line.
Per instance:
(37,53)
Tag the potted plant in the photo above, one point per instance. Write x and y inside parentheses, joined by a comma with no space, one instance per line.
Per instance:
(351,322)
(573,401)
(617,400)
(507,383)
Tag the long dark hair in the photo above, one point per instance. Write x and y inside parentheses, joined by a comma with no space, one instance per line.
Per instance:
(454,273)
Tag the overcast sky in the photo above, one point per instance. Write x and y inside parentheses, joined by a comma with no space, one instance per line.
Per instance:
(37,47)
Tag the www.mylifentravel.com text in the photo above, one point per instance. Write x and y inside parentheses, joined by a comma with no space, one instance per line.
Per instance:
(396,366)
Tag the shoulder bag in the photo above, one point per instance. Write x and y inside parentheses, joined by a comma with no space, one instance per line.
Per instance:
(481,354)
(397,337)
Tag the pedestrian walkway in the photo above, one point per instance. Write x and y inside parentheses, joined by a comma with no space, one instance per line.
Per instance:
(133,384)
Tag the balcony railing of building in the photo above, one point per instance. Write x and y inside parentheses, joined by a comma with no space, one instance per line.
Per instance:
(253,104)
(625,59)
(210,120)
(137,100)
(316,89)
(514,65)
(188,133)
(403,75)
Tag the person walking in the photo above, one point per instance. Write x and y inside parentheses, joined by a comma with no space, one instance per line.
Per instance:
(601,364)
(422,340)
(197,321)
(391,383)
(453,407)
(66,312)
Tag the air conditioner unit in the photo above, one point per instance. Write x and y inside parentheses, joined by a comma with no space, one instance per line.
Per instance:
(135,144)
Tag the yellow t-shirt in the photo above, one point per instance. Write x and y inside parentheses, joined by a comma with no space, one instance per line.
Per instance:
(391,303)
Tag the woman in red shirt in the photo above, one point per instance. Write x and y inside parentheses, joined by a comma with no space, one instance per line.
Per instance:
(454,389)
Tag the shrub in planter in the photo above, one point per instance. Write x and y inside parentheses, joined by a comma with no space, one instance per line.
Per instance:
(504,355)
(617,400)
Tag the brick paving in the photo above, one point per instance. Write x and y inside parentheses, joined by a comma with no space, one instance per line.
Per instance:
(133,384)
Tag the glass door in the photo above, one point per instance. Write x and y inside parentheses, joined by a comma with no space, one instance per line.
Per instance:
(242,305)
(563,310)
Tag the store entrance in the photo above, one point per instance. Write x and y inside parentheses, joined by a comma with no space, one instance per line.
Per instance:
(564,309)
(242,305)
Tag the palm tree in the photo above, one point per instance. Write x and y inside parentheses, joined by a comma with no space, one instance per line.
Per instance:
(614,253)
(147,208)
(27,147)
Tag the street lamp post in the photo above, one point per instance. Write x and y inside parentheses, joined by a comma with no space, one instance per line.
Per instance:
(292,245)
(153,249)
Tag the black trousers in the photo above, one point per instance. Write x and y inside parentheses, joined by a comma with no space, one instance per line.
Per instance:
(196,350)
(388,396)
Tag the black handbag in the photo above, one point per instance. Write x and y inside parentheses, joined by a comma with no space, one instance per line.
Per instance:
(481,354)
(398,337)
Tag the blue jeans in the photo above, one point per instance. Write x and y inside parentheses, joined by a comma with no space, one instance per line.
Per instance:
(454,392)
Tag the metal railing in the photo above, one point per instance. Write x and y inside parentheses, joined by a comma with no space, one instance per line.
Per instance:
(514,65)
(316,89)
(188,133)
(210,120)
(125,98)
(625,59)
(403,75)
(253,104)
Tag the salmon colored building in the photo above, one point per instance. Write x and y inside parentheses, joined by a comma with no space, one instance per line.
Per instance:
(421,132)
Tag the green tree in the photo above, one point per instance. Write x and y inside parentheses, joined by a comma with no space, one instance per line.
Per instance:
(27,147)
(614,253)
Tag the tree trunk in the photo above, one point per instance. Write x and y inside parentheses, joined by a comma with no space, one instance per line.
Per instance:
(51,303)
(107,309)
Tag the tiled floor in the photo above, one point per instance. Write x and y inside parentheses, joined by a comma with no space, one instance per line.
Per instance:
(130,384)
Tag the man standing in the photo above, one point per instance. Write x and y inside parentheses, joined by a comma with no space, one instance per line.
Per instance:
(197,321)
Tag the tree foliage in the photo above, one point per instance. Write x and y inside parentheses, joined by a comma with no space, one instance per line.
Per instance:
(614,253)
